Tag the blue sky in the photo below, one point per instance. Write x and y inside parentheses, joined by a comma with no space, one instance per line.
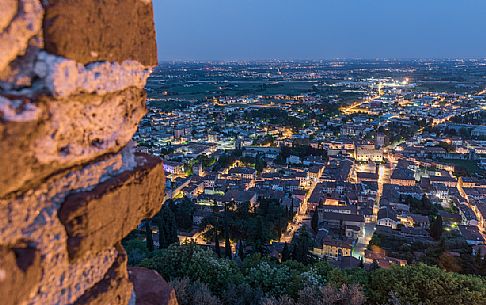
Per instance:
(319,29)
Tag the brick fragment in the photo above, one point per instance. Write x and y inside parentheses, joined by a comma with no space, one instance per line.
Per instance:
(99,218)
(111,30)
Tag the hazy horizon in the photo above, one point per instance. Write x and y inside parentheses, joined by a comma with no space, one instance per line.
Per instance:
(317,60)
(252,30)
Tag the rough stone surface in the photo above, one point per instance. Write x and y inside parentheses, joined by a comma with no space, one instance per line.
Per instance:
(15,37)
(150,288)
(33,216)
(98,218)
(65,77)
(68,112)
(111,30)
(19,272)
(114,288)
(20,72)
(40,138)
(21,213)
(8,11)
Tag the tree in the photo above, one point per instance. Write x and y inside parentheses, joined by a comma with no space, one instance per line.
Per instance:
(196,263)
(242,294)
(448,262)
(240,250)
(482,265)
(422,284)
(258,238)
(291,210)
(272,278)
(184,213)
(136,250)
(167,226)
(314,283)
(217,249)
(315,221)
(189,292)
(286,253)
(227,244)
(436,228)
(260,164)
(279,230)
(301,246)
(255,227)
(331,295)
(148,236)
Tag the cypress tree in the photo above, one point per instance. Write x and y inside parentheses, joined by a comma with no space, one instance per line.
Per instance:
(285,252)
(227,244)
(148,236)
(217,249)
(167,227)
(342,229)
(301,246)
(436,228)
(172,236)
(291,211)
(279,230)
(482,267)
(241,251)
(163,243)
(258,235)
(315,221)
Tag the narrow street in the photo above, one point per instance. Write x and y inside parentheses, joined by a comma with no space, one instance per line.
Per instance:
(384,173)
(299,218)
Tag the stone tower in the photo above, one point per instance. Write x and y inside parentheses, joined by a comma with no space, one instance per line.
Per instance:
(72,77)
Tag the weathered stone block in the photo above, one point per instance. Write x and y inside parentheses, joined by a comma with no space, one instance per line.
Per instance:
(150,288)
(63,77)
(70,184)
(112,30)
(98,218)
(40,138)
(32,216)
(114,288)
(20,272)
(8,11)
(20,72)
(19,29)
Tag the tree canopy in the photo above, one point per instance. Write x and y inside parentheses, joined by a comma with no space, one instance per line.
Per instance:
(265,279)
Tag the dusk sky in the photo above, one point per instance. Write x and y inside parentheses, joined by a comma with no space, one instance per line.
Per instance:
(319,29)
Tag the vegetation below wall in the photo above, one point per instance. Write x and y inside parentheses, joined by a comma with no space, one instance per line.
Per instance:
(200,277)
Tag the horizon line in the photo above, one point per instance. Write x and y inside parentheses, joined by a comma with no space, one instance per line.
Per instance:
(327,59)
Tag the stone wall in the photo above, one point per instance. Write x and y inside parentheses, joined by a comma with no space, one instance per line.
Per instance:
(72,77)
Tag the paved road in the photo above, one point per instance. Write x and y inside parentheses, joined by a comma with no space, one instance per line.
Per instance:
(384,174)
(363,242)
(299,219)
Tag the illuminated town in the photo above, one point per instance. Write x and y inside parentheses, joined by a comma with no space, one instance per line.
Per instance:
(364,155)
